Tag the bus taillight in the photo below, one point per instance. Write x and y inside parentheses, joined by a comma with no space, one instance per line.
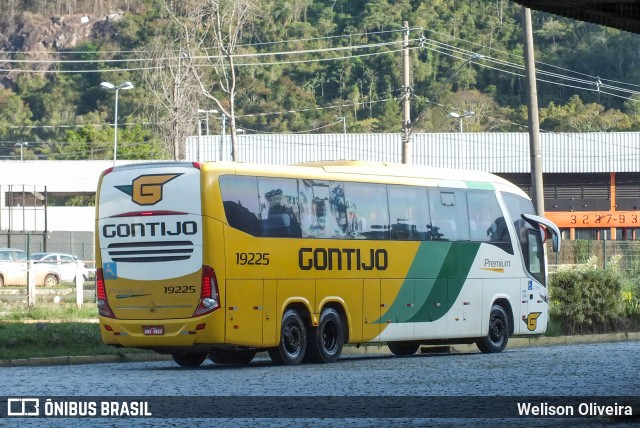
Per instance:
(209,296)
(101,296)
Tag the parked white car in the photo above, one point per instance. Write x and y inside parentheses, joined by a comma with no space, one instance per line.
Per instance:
(14,265)
(66,264)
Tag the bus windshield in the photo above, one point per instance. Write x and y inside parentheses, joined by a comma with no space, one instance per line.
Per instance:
(529,238)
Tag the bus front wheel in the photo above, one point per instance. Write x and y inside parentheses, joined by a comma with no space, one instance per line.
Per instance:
(498,335)
(189,360)
(293,340)
(326,341)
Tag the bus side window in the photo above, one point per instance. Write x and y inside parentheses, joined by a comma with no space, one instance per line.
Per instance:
(279,207)
(322,209)
(409,212)
(240,201)
(486,222)
(449,217)
(367,210)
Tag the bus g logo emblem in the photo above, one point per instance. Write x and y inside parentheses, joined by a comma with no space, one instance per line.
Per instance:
(147,189)
(532,320)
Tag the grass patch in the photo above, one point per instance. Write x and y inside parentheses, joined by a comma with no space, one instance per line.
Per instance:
(52,312)
(52,330)
(52,339)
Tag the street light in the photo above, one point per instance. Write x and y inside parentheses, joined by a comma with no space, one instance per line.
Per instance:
(223,127)
(111,87)
(409,130)
(461,116)
(21,146)
(206,116)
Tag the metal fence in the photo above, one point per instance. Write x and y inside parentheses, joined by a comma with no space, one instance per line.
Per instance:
(625,255)
(79,244)
(497,152)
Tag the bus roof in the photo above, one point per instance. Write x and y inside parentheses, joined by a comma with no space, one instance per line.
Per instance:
(391,173)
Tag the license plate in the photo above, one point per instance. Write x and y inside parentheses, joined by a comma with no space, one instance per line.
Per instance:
(153,330)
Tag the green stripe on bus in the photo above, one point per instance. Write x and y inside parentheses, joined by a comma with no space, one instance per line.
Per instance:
(479,185)
(447,286)
(433,282)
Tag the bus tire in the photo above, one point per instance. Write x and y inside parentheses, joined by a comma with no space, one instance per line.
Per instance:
(293,340)
(232,356)
(189,360)
(326,341)
(402,349)
(498,335)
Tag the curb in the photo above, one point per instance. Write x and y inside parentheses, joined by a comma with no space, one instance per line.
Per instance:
(514,343)
(84,359)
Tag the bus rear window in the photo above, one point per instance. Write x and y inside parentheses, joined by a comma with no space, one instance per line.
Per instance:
(261,206)
(240,200)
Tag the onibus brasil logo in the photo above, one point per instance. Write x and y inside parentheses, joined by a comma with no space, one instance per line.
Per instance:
(147,189)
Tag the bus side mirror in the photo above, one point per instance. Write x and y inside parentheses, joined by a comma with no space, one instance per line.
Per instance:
(537,221)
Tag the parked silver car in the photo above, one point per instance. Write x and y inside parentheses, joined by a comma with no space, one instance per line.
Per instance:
(66,264)
(14,265)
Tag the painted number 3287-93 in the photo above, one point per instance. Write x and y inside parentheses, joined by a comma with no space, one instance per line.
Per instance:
(252,259)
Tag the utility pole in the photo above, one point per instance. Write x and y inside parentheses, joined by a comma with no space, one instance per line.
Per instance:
(535,152)
(406,101)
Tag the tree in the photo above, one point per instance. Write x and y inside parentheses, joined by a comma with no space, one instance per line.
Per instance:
(576,116)
(174,105)
(209,33)
(15,116)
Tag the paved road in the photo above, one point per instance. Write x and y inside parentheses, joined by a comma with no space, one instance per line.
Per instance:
(589,370)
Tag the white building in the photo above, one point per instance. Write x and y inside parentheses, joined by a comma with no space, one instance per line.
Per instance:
(49,198)
(49,205)
(25,187)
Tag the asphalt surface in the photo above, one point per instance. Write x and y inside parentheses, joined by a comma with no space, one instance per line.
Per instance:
(514,342)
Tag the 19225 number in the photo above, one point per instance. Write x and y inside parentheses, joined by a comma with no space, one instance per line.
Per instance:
(175,289)
(252,259)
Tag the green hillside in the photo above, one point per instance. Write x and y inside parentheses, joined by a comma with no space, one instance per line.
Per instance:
(293,67)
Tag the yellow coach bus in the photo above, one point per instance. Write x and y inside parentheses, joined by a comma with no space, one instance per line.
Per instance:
(223,260)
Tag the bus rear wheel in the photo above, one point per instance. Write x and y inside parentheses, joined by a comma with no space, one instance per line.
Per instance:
(403,348)
(326,341)
(293,340)
(189,360)
(498,335)
(232,356)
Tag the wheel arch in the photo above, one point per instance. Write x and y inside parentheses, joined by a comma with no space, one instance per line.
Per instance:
(302,307)
(338,305)
(505,304)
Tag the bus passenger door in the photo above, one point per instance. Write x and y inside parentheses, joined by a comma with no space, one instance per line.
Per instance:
(244,312)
